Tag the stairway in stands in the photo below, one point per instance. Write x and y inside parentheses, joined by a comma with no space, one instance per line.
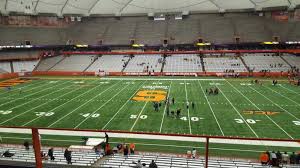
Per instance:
(94,60)
(127,63)
(57,63)
(163,64)
(285,61)
(243,61)
(202,62)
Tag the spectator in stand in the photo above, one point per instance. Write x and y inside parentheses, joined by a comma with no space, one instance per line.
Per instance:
(132,148)
(8,154)
(50,154)
(26,145)
(106,137)
(285,158)
(298,158)
(273,159)
(293,158)
(264,158)
(126,150)
(138,164)
(279,157)
(152,164)
(194,153)
(68,156)
(44,156)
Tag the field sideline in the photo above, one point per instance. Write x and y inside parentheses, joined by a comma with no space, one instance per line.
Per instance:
(107,104)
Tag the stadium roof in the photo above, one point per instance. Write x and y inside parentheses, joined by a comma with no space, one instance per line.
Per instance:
(125,7)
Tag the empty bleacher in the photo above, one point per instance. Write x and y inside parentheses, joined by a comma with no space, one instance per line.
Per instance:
(24,66)
(5,67)
(183,63)
(265,62)
(119,161)
(109,63)
(82,158)
(292,60)
(139,63)
(76,63)
(49,62)
(221,64)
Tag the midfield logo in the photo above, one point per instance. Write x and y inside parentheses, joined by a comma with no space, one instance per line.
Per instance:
(150,95)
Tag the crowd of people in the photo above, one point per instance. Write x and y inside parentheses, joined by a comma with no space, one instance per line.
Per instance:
(278,158)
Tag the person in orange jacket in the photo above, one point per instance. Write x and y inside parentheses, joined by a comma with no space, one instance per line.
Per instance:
(264,158)
(132,148)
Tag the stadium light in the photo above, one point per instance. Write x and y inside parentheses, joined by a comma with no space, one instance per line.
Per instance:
(203,44)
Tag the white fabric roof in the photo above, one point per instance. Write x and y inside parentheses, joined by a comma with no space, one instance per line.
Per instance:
(112,7)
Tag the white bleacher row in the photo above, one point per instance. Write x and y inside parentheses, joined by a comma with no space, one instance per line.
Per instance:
(78,158)
(261,61)
(5,67)
(24,66)
(220,64)
(48,62)
(139,63)
(292,60)
(74,63)
(119,161)
(183,63)
(109,63)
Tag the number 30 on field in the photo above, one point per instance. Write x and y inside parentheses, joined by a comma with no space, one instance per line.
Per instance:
(240,121)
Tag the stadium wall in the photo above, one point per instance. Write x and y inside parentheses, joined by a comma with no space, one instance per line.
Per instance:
(9,75)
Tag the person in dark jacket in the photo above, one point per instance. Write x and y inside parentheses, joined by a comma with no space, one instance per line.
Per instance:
(293,158)
(68,156)
(126,150)
(152,164)
(50,154)
(26,145)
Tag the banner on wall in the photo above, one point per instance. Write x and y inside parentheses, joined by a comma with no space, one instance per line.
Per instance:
(282,16)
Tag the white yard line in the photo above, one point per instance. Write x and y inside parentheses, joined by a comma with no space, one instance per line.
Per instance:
(122,107)
(15,90)
(162,79)
(138,116)
(47,103)
(163,116)
(140,112)
(31,108)
(283,96)
(31,93)
(275,104)
(290,90)
(260,109)
(83,103)
(211,109)
(238,113)
(101,106)
(186,98)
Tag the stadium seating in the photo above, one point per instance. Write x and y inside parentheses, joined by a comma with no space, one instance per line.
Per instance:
(19,55)
(139,63)
(83,158)
(48,63)
(292,60)
(24,66)
(109,63)
(221,64)
(119,161)
(268,62)
(5,67)
(74,63)
(183,63)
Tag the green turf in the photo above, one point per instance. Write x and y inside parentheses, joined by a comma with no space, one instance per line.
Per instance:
(106,104)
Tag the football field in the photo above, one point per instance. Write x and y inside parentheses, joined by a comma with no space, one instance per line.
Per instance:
(240,109)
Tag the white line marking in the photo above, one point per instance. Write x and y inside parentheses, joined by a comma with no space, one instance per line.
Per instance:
(46,88)
(162,120)
(186,98)
(160,79)
(238,112)
(211,109)
(275,103)
(138,116)
(122,106)
(83,103)
(259,109)
(283,96)
(31,108)
(101,107)
(290,90)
